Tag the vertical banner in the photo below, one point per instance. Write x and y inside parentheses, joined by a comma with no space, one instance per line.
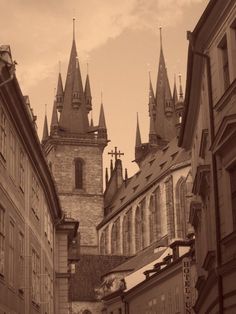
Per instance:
(186,267)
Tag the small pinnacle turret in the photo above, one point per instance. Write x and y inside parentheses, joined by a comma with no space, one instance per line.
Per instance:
(59,94)
(138,141)
(175,94)
(87,94)
(151,100)
(54,120)
(45,128)
(102,129)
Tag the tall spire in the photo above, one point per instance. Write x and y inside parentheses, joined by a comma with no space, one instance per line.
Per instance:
(175,94)
(164,102)
(45,126)
(138,135)
(181,96)
(151,100)
(87,93)
(160,37)
(54,120)
(74,118)
(102,129)
(73,28)
(59,93)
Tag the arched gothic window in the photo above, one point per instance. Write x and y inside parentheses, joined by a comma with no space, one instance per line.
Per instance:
(103,243)
(79,173)
(127,233)
(181,219)
(115,237)
(140,231)
(155,216)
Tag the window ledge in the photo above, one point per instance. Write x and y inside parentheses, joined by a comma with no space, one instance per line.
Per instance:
(226,97)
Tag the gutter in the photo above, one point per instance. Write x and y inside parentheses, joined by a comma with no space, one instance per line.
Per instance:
(214,172)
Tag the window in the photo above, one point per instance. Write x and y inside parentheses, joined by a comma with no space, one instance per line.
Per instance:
(115,237)
(22,171)
(232,175)
(127,233)
(3,133)
(11,253)
(155,216)
(79,169)
(170,208)
(2,240)
(181,219)
(140,226)
(35,196)
(225,63)
(35,277)
(21,263)
(12,156)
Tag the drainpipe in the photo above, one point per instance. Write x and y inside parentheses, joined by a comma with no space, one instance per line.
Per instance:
(214,174)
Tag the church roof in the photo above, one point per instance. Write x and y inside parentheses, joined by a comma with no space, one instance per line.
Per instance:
(155,166)
(89,272)
(144,257)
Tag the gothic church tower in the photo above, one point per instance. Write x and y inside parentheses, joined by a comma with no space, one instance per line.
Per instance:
(74,151)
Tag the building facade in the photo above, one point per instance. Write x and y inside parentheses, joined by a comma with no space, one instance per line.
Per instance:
(74,147)
(146,216)
(209,131)
(34,236)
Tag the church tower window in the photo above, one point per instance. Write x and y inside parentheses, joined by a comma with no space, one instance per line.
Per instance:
(79,173)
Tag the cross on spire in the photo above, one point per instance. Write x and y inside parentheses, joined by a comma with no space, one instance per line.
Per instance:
(115,153)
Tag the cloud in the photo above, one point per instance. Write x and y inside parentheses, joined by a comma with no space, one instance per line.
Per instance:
(40,31)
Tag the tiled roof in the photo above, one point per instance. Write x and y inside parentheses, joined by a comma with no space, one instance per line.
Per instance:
(88,275)
(138,261)
(153,168)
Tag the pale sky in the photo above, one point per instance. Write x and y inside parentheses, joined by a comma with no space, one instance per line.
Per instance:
(120,41)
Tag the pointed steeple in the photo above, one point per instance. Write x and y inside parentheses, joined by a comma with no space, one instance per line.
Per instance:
(91,120)
(164,101)
(102,129)
(181,95)
(151,100)
(74,118)
(87,93)
(45,128)
(54,120)
(138,135)
(59,93)
(76,97)
(175,94)
(152,132)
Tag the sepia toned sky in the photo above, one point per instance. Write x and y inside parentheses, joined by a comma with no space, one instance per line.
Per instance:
(120,41)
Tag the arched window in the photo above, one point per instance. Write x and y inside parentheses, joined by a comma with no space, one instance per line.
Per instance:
(170,208)
(79,173)
(127,233)
(103,243)
(155,216)
(115,237)
(140,228)
(181,218)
